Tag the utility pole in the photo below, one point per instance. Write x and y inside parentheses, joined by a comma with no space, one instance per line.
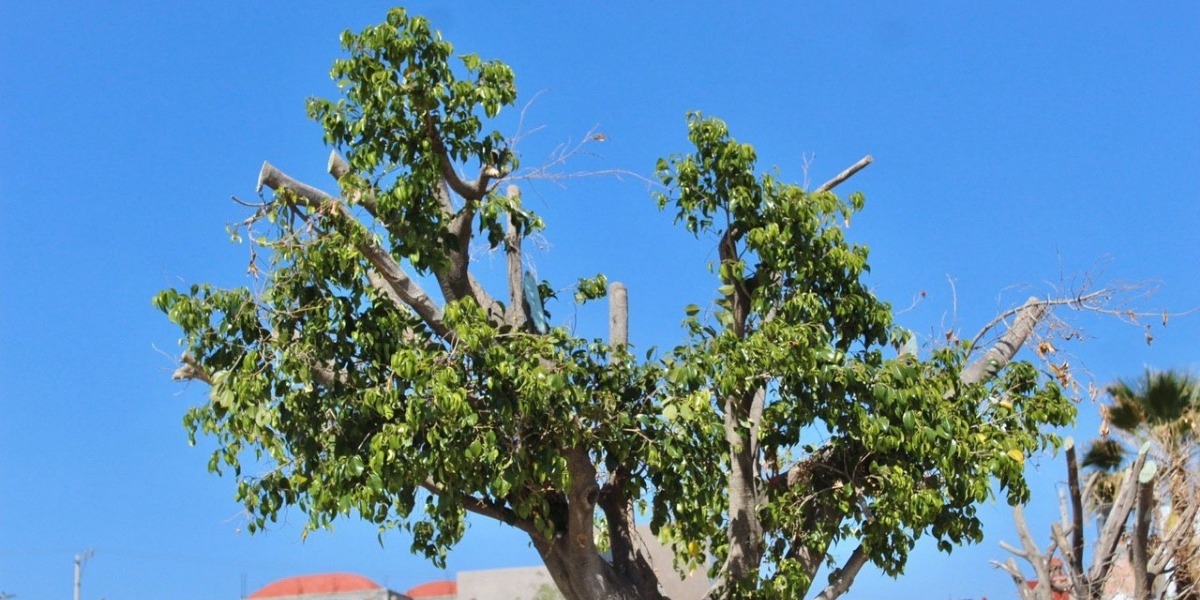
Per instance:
(79,560)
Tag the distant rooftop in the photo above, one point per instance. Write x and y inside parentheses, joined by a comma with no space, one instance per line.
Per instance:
(324,583)
(434,589)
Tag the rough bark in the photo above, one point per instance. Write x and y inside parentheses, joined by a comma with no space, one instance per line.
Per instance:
(745,532)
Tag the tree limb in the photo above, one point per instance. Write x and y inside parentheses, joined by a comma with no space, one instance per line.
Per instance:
(472,191)
(487,508)
(845,576)
(1002,352)
(844,175)
(512,253)
(618,315)
(1141,533)
(389,270)
(1076,545)
(338,168)
(191,369)
(1171,541)
(1110,536)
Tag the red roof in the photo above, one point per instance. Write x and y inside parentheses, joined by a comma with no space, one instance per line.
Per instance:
(325,583)
(434,589)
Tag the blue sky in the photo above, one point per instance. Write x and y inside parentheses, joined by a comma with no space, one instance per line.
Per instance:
(1017,147)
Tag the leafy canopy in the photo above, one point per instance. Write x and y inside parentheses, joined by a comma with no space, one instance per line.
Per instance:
(335,388)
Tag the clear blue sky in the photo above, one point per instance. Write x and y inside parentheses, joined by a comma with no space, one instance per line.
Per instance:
(1016,147)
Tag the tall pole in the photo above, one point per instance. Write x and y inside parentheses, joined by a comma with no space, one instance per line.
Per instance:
(79,560)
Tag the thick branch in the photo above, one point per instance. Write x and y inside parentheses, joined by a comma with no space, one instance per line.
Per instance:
(456,282)
(745,531)
(191,369)
(1076,510)
(512,253)
(389,270)
(582,499)
(1172,541)
(1141,533)
(844,577)
(618,315)
(1110,536)
(1000,354)
(844,175)
(407,289)
(487,509)
(338,167)
(628,559)
(470,191)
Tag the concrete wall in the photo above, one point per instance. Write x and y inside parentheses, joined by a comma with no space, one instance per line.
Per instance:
(526,583)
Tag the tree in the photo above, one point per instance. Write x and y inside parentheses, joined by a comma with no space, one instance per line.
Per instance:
(1161,409)
(797,416)
(1156,413)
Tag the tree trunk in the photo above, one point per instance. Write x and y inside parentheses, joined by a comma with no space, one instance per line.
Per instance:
(745,529)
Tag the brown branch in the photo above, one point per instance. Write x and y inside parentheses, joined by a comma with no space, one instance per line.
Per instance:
(488,509)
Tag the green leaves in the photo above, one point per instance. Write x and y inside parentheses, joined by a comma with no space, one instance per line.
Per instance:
(360,406)
(591,288)
(794,318)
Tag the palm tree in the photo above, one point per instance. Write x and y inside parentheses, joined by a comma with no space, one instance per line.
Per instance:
(1163,408)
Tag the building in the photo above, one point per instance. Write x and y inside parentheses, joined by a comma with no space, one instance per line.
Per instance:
(326,586)
(522,583)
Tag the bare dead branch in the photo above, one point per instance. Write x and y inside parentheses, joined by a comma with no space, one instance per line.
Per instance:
(618,314)
(1140,544)
(844,175)
(191,369)
(1110,536)
(564,153)
(1010,566)
(1002,352)
(1171,541)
